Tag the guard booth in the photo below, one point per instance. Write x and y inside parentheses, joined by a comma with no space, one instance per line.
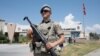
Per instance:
(71,35)
(75,35)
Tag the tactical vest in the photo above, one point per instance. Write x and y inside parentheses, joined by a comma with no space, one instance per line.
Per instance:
(49,32)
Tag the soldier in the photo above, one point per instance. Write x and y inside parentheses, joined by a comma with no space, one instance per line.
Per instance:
(51,30)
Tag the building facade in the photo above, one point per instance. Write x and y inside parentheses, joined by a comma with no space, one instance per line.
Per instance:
(70,32)
(2,23)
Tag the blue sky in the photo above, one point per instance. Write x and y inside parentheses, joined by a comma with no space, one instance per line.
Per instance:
(15,10)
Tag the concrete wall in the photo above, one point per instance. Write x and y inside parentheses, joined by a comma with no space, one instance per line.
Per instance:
(2,23)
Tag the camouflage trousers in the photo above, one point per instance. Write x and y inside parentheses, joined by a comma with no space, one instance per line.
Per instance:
(41,54)
(40,51)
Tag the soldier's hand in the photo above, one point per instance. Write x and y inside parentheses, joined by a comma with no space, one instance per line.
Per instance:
(30,35)
(50,45)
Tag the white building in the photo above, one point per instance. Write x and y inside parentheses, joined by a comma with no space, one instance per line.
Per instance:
(74,32)
(20,29)
(2,23)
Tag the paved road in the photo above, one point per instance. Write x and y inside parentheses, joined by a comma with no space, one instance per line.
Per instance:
(14,50)
(94,53)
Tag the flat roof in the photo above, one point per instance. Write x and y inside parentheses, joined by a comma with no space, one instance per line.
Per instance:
(2,20)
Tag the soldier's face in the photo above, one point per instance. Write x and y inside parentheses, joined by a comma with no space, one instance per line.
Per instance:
(46,14)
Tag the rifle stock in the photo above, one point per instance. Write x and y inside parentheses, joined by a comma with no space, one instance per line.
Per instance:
(40,36)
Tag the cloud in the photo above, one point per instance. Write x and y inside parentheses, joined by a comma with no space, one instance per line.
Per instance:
(69,22)
(94,28)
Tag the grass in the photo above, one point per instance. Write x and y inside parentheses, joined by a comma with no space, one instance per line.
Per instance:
(80,49)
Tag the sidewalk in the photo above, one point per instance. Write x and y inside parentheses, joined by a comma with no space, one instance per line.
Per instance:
(15,50)
(94,53)
(5,46)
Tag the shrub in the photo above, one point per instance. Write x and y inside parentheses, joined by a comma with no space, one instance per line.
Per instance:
(3,38)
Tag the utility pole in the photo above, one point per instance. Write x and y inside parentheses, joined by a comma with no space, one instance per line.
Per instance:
(84,14)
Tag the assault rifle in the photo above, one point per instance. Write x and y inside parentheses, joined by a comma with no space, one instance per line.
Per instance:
(40,36)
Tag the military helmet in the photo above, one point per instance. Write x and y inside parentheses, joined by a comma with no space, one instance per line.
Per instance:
(45,8)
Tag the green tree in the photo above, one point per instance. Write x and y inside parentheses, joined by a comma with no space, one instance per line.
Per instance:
(94,36)
(3,38)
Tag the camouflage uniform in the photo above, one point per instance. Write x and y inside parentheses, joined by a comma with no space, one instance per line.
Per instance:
(51,30)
